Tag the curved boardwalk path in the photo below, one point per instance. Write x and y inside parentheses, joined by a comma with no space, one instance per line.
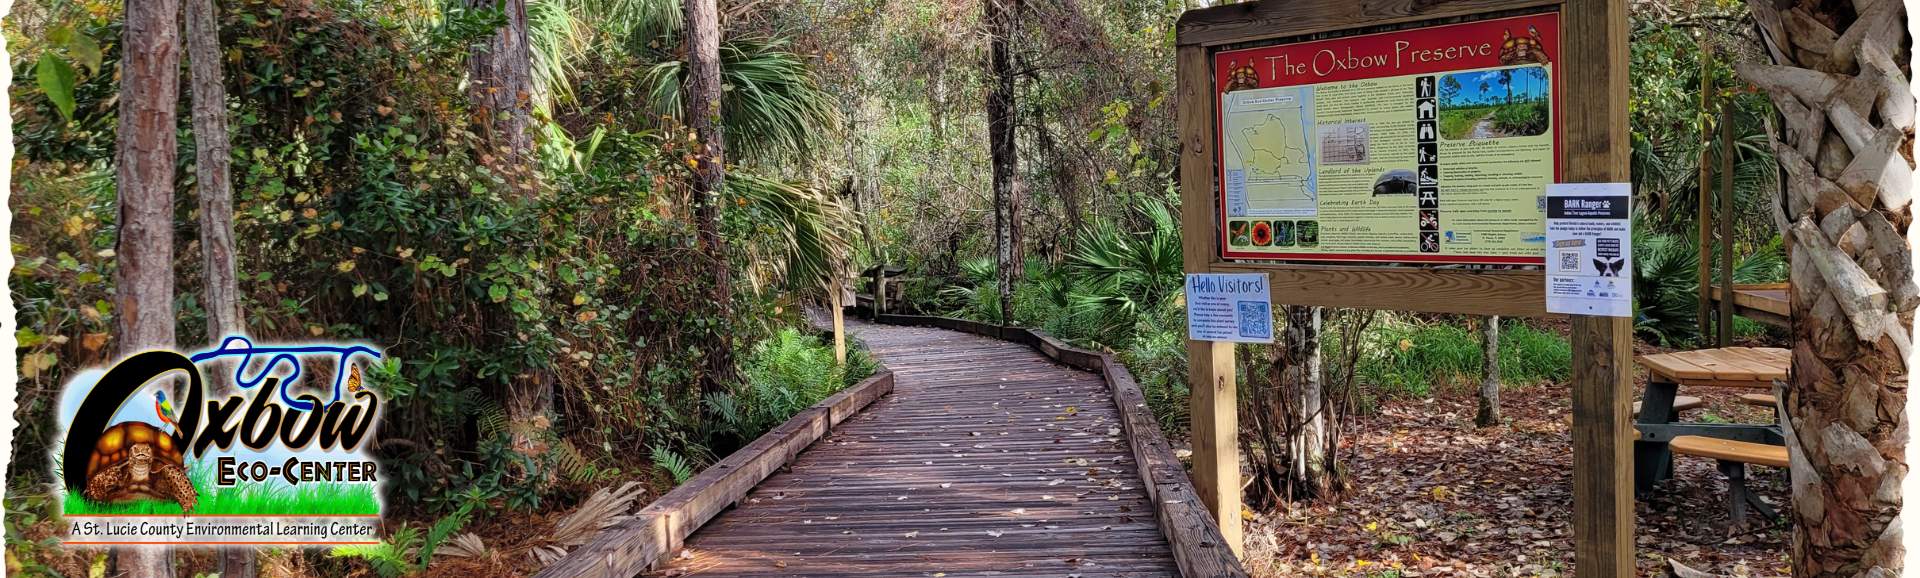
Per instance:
(987,460)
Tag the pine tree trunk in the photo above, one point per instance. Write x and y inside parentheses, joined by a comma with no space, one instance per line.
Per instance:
(502,83)
(1489,414)
(211,159)
(1311,438)
(143,284)
(1000,122)
(501,71)
(703,116)
(1847,151)
(212,155)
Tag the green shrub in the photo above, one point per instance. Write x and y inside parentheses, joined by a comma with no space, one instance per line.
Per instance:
(1522,118)
(1157,356)
(783,375)
(1666,284)
(1529,355)
(1411,358)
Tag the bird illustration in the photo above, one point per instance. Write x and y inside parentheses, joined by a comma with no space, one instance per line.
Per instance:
(163,408)
(353,380)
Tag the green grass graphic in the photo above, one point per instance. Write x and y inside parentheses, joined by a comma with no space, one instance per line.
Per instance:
(312,498)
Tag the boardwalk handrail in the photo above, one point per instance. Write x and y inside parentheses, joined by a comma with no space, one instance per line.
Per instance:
(633,545)
(1198,547)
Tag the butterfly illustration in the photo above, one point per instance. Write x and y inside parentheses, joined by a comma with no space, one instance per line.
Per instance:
(353,380)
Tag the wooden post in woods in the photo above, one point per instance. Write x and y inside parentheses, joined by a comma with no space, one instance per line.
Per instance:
(836,297)
(1725,325)
(1703,215)
(1250,46)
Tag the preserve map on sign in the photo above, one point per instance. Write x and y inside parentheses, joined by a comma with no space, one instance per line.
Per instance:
(1270,157)
(1430,145)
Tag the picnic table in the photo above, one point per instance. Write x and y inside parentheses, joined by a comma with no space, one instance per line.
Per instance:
(1746,367)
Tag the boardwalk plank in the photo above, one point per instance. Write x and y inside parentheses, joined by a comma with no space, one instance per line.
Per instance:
(1052,488)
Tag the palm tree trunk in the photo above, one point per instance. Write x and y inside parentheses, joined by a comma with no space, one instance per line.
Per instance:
(703,116)
(1000,122)
(1845,217)
(1489,413)
(143,285)
(211,159)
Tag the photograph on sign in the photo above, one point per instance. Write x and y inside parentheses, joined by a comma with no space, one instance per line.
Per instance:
(1590,249)
(1430,145)
(1229,307)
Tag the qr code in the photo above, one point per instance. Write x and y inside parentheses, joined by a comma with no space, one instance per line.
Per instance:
(1256,320)
(1569,261)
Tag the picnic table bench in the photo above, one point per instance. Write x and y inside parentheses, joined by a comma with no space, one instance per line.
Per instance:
(1746,367)
(1731,458)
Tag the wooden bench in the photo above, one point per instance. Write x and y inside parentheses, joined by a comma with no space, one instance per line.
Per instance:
(1742,367)
(1683,403)
(1763,302)
(1758,400)
(1733,457)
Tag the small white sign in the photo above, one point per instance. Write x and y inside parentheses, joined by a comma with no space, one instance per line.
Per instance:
(1236,308)
(1590,249)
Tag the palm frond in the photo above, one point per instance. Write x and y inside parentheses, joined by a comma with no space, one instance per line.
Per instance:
(636,26)
(809,227)
(771,105)
(555,38)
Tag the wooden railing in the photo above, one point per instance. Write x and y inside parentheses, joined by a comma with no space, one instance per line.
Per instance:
(633,546)
(1198,547)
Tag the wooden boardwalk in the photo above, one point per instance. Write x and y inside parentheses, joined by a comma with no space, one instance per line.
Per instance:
(987,459)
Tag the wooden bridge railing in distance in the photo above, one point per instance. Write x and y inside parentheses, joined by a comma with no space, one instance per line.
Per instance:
(633,546)
(1198,547)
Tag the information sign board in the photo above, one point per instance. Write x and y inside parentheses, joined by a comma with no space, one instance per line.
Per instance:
(1229,307)
(1590,245)
(1429,145)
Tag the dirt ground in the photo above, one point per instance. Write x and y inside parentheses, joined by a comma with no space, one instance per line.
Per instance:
(1431,495)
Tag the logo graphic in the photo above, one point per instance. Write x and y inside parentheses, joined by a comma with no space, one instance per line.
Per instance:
(1242,77)
(1523,49)
(224,446)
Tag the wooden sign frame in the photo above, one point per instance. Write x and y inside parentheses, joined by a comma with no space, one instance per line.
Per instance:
(1594,148)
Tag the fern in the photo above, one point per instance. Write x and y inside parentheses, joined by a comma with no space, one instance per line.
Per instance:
(441,529)
(406,551)
(665,459)
(491,418)
(576,466)
(390,558)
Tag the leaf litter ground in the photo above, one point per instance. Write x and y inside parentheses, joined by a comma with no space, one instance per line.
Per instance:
(1432,495)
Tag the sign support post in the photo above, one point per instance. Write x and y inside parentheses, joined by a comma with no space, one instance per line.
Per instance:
(1331,254)
(1597,152)
(1211,378)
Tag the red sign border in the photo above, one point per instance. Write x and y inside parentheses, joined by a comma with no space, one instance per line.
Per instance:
(1220,180)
